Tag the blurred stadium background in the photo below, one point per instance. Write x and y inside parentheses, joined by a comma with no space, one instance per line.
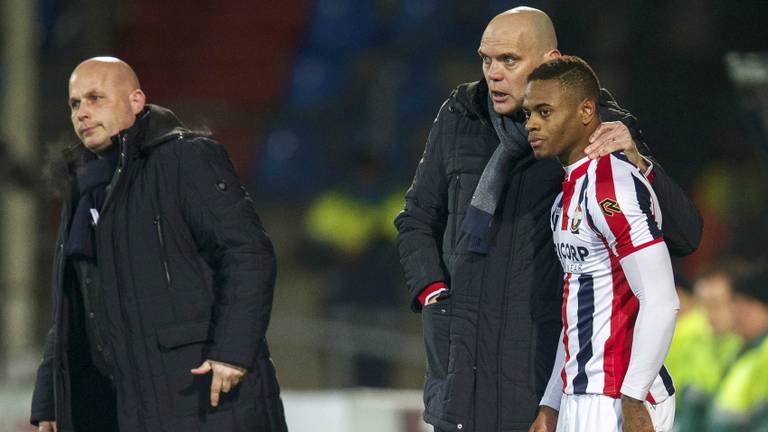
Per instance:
(324,107)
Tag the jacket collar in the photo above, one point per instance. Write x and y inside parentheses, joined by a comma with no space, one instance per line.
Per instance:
(473,98)
(154,125)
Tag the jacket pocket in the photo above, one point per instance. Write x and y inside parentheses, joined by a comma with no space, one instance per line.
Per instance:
(183,334)
(183,347)
(163,251)
(436,323)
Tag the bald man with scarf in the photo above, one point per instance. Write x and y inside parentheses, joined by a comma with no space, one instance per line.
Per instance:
(163,276)
(475,242)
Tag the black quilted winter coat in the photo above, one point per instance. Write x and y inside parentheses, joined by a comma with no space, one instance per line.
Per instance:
(187,274)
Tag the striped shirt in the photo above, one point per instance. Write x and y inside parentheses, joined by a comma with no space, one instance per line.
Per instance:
(606,211)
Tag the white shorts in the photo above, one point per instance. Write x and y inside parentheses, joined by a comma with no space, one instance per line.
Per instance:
(600,413)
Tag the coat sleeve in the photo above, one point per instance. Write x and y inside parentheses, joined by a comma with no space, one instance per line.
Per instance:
(43,405)
(421,223)
(230,237)
(683,223)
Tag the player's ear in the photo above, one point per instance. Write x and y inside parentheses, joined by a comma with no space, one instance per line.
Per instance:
(587,111)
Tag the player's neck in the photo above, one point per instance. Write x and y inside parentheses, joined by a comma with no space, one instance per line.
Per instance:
(575,152)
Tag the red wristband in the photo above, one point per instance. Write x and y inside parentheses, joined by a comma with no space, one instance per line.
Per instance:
(434,286)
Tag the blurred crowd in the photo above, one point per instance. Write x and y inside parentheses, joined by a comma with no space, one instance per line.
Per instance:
(719,353)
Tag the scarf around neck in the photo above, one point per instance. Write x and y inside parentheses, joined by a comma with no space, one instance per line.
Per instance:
(513,145)
(92,179)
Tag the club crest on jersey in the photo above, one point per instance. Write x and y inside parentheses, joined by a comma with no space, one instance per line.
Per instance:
(609,207)
(576,219)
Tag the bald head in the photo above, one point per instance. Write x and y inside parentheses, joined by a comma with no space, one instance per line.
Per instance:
(112,68)
(104,98)
(528,23)
(514,43)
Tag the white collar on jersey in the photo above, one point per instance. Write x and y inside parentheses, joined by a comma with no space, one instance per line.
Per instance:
(569,170)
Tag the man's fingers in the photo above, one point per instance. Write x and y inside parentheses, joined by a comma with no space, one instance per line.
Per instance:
(46,426)
(609,133)
(202,369)
(604,128)
(619,140)
(598,142)
(594,150)
(604,145)
(215,390)
(227,384)
(230,380)
(599,132)
(225,377)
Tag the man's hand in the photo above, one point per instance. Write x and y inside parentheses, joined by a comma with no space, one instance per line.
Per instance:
(610,137)
(225,377)
(546,420)
(47,426)
(635,414)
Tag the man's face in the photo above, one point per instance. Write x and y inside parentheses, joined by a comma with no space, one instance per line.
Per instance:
(714,295)
(748,316)
(100,106)
(552,119)
(509,54)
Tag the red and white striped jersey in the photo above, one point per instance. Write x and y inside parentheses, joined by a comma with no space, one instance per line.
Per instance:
(606,211)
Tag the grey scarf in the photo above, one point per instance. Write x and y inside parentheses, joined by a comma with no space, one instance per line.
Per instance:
(513,145)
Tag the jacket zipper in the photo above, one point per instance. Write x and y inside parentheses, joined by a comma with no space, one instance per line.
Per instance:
(163,253)
(122,143)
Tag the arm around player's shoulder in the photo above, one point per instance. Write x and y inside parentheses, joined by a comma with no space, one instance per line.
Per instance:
(623,206)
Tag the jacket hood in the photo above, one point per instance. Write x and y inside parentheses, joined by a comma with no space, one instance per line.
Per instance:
(473,98)
(154,125)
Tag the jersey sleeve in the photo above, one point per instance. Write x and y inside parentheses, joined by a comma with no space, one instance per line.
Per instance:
(554,391)
(624,208)
(649,273)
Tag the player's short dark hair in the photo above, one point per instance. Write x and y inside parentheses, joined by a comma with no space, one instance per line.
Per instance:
(573,74)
